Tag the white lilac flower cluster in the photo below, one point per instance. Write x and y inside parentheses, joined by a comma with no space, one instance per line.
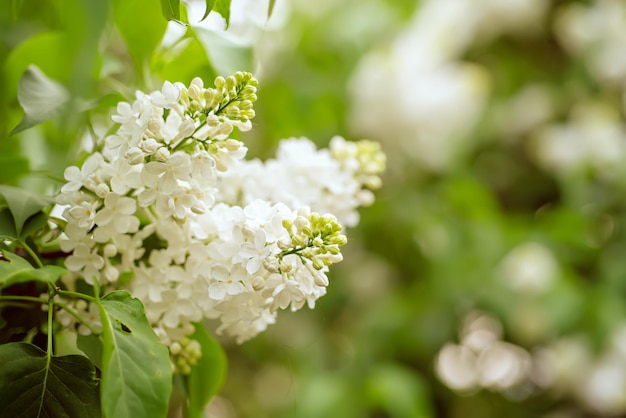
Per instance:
(169,210)
(429,95)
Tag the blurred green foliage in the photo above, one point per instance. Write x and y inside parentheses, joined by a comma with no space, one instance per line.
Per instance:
(424,255)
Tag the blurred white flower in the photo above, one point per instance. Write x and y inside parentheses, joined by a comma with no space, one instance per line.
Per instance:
(530,108)
(529,268)
(597,32)
(417,93)
(456,367)
(482,359)
(594,137)
(503,365)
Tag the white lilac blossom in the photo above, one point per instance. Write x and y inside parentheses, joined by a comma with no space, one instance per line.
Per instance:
(168,209)
(336,180)
(596,31)
(483,360)
(593,138)
(428,97)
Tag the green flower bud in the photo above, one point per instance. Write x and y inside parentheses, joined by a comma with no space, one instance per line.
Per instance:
(318,264)
(220,82)
(287,224)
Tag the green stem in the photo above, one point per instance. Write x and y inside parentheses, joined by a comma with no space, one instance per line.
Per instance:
(76,295)
(50,316)
(59,304)
(48,350)
(77,317)
(23,298)
(31,253)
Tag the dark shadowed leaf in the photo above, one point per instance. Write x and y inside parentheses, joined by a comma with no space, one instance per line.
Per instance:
(7,225)
(34,223)
(23,204)
(30,386)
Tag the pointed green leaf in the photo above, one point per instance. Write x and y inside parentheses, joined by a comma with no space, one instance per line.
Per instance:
(226,56)
(136,372)
(223,8)
(270,8)
(41,98)
(206,377)
(7,225)
(14,269)
(171,9)
(34,223)
(209,7)
(23,204)
(30,386)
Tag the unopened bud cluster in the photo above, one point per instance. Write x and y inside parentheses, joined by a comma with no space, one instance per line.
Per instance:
(316,238)
(184,355)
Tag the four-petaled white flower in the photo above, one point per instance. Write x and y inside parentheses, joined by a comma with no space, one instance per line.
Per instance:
(253,252)
(226,282)
(165,175)
(86,259)
(118,213)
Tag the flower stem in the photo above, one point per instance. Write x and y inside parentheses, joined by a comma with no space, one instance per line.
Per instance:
(31,253)
(77,316)
(23,298)
(76,295)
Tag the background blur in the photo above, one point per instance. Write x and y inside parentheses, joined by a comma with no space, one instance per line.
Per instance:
(489,278)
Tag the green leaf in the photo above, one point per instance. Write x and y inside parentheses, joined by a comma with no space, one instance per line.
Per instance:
(91,345)
(13,167)
(398,391)
(7,225)
(23,204)
(143,35)
(34,223)
(209,7)
(171,9)
(223,8)
(270,8)
(41,98)
(226,56)
(190,62)
(206,377)
(14,269)
(48,51)
(136,372)
(32,386)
